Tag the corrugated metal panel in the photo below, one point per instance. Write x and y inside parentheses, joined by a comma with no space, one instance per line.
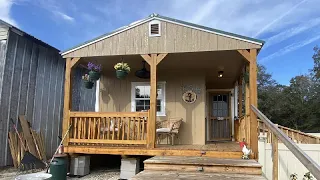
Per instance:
(33,77)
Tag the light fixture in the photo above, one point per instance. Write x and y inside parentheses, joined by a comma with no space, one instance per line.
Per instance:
(143,73)
(220,74)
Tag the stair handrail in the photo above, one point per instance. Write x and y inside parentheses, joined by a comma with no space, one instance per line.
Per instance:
(310,164)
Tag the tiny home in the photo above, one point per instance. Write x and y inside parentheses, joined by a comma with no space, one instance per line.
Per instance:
(188,93)
(31,84)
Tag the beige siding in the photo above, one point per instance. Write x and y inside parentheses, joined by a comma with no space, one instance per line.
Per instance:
(115,95)
(174,38)
(3,32)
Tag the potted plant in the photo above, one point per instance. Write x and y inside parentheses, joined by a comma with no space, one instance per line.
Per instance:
(94,71)
(122,70)
(87,82)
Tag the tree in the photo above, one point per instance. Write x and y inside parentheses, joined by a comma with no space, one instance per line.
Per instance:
(316,60)
(295,106)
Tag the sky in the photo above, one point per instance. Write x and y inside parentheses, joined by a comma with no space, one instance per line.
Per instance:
(291,28)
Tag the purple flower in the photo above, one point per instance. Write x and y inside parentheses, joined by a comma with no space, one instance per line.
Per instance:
(94,67)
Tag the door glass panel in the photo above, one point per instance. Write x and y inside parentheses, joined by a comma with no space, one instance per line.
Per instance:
(220,106)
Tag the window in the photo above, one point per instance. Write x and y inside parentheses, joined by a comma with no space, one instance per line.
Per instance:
(140,97)
(154,28)
(220,105)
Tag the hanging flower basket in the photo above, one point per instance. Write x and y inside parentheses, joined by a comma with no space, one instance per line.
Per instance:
(122,70)
(94,75)
(121,74)
(94,72)
(88,84)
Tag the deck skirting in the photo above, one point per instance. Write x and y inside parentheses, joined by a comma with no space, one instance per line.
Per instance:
(142,151)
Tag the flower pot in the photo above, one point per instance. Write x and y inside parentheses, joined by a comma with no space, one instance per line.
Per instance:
(88,84)
(94,75)
(121,74)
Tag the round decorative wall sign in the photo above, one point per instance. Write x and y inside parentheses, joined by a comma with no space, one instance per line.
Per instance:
(189,97)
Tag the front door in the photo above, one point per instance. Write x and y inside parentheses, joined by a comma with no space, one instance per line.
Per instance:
(219,117)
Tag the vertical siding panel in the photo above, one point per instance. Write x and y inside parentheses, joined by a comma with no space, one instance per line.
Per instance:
(45,97)
(53,102)
(60,90)
(32,84)
(50,100)
(19,58)
(39,91)
(24,81)
(6,94)
(3,49)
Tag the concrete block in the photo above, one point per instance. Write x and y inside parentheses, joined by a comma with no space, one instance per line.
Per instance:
(80,161)
(80,171)
(129,167)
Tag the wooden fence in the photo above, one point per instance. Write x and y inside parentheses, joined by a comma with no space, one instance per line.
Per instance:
(297,136)
(129,128)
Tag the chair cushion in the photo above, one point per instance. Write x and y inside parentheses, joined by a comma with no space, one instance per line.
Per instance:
(163,130)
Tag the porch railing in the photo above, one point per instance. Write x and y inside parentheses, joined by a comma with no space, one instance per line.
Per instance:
(295,135)
(122,128)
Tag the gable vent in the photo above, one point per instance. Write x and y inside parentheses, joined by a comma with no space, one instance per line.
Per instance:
(154,28)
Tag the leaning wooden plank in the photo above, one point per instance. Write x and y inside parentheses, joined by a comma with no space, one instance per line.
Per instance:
(41,146)
(35,142)
(13,149)
(27,135)
(44,156)
(18,149)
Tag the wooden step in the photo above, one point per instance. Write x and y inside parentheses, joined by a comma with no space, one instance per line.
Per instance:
(203,164)
(172,175)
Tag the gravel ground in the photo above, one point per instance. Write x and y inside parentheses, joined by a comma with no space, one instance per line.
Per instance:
(99,174)
(109,174)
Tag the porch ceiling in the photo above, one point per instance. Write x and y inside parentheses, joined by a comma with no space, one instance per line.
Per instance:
(207,63)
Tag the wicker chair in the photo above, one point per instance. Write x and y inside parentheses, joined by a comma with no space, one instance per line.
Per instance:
(168,128)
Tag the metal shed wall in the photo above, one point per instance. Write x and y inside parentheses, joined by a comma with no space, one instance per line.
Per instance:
(33,77)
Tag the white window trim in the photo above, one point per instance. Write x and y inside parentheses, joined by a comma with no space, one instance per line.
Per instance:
(163,102)
(154,22)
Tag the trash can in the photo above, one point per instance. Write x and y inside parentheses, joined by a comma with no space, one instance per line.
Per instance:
(58,167)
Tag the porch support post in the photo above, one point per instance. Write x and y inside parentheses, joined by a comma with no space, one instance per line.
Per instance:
(240,97)
(67,99)
(153,60)
(253,101)
(247,109)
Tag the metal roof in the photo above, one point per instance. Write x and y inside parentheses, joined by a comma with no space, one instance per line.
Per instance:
(167,19)
(23,33)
